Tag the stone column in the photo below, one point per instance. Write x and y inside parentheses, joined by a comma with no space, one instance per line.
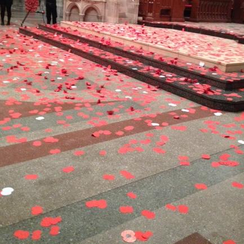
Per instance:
(112,11)
(123,17)
(81,17)
(128,11)
(100,18)
(133,11)
(66,17)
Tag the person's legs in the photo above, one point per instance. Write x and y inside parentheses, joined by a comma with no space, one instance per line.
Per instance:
(54,14)
(48,12)
(2,12)
(9,5)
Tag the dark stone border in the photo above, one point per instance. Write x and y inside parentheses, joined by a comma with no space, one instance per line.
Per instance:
(22,152)
(194,238)
(180,90)
(213,81)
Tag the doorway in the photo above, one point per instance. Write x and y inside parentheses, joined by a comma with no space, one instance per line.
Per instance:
(91,15)
(74,14)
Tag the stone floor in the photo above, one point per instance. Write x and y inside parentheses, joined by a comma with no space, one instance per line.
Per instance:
(91,156)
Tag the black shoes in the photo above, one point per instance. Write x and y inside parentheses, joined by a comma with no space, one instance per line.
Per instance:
(8,23)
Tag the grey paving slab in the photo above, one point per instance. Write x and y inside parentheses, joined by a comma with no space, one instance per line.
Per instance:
(90,168)
(80,223)
(205,216)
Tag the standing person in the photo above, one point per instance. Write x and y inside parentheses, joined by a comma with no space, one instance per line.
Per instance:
(51,9)
(6,5)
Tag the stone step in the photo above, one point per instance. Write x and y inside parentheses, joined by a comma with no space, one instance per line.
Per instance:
(225,82)
(201,93)
(196,48)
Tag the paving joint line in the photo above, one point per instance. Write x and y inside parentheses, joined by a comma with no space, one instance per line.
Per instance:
(118,187)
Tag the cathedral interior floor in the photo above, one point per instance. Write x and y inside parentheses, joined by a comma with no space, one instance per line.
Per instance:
(91,156)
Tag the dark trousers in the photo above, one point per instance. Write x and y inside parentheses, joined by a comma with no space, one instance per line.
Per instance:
(4,7)
(51,10)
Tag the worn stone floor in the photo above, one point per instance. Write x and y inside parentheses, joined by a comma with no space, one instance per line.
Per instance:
(89,155)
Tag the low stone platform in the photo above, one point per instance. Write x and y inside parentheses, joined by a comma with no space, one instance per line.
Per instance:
(231,31)
(211,76)
(226,54)
(202,93)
